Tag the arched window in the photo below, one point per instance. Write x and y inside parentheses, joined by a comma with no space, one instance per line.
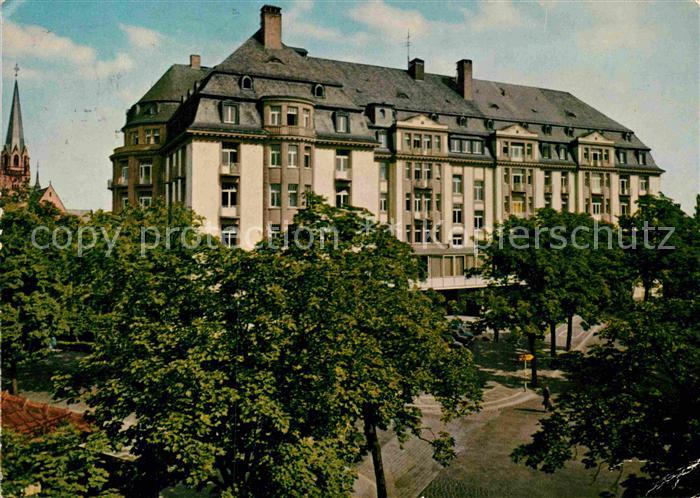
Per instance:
(462,120)
(319,91)
(382,113)
(247,83)
(489,124)
(15,161)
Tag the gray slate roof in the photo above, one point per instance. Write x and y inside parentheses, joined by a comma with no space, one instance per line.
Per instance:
(15,132)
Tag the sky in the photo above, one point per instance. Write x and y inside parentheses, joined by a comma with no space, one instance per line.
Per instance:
(83,63)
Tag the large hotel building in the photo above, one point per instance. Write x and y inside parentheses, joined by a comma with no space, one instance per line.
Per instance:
(440,158)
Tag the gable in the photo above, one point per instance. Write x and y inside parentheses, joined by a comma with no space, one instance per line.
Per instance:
(595,138)
(421,121)
(516,131)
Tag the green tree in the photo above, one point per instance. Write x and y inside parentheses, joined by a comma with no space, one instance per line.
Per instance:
(32,281)
(63,462)
(634,396)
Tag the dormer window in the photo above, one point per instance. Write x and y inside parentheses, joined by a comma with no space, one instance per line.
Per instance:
(383,139)
(525,125)
(382,113)
(642,158)
(229,112)
(151,110)
(489,124)
(319,91)
(627,136)
(434,116)
(569,131)
(342,124)
(547,129)
(247,83)
(462,120)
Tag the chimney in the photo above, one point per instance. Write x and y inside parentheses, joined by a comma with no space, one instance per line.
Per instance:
(416,68)
(271,26)
(195,61)
(464,79)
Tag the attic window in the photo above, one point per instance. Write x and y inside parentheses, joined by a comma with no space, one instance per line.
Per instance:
(229,112)
(570,114)
(275,60)
(247,83)
(319,91)
(342,122)
(382,113)
(534,111)
(627,136)
(503,92)
(434,116)
(462,120)
(525,125)
(547,129)
(494,106)
(489,124)
(569,131)
(401,95)
(151,110)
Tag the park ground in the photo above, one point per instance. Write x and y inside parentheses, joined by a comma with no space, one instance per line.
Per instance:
(484,440)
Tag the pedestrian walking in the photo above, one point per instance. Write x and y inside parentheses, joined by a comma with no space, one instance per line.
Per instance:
(545,398)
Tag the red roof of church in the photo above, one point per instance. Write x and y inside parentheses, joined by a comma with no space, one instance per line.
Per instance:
(29,417)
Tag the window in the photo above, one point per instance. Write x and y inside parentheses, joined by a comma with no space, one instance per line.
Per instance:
(428,171)
(417,141)
(548,178)
(643,183)
(152,136)
(293,194)
(408,233)
(307,156)
(247,83)
(427,201)
(624,208)
(275,195)
(275,230)
(455,145)
(477,147)
(624,185)
(292,116)
(416,203)
(383,172)
(563,153)
(342,160)
(457,213)
(547,129)
(229,154)
(407,141)
(478,190)
(383,202)
(438,142)
(457,184)
(457,240)
(622,157)
(134,138)
(518,177)
(516,152)
(438,202)
(229,236)
(409,165)
(596,156)
(125,200)
(642,158)
(417,171)
(528,149)
(307,118)
(606,156)
(462,120)
(229,113)
(383,139)
(319,91)
(505,150)
(564,180)
(518,206)
(125,174)
(546,151)
(418,232)
(145,173)
(292,156)
(145,200)
(307,190)
(275,155)
(596,182)
(595,205)
(427,141)
(275,115)
(341,123)
(229,194)
(342,197)
(478,220)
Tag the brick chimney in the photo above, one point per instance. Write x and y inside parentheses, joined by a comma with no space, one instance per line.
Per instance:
(271,26)
(464,79)
(195,61)
(416,68)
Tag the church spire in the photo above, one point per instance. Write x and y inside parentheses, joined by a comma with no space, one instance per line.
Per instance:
(37,185)
(15,132)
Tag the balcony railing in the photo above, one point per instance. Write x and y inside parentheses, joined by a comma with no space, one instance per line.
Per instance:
(547,189)
(624,191)
(518,187)
(119,182)
(230,169)
(299,131)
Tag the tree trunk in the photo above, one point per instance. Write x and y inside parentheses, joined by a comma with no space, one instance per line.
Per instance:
(376,450)
(569,331)
(553,339)
(495,335)
(13,388)
(531,339)
(647,291)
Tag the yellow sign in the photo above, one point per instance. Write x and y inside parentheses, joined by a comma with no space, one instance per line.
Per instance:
(526,357)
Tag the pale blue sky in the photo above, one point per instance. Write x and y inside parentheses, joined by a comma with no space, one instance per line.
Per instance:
(84,63)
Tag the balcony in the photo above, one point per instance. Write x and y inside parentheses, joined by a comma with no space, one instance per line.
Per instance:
(342,174)
(547,189)
(421,183)
(564,189)
(230,169)
(229,212)
(145,180)
(518,187)
(297,131)
(119,182)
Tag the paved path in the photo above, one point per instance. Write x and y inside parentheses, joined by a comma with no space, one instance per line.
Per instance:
(410,468)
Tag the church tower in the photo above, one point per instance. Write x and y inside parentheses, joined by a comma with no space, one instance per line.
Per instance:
(14,158)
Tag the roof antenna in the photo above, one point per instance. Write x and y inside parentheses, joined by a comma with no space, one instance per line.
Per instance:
(408,46)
